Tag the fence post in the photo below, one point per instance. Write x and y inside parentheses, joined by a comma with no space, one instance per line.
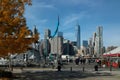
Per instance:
(71,69)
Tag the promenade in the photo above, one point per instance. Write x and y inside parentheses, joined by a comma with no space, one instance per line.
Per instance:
(69,71)
(65,74)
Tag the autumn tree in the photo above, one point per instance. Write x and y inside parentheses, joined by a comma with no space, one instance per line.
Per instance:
(14,33)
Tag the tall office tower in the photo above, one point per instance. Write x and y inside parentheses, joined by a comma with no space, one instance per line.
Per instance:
(93,48)
(46,47)
(56,45)
(33,32)
(90,46)
(47,34)
(78,36)
(60,34)
(68,48)
(90,42)
(74,43)
(85,43)
(99,41)
(94,38)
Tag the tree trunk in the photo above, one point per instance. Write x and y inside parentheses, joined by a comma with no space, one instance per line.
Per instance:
(10,63)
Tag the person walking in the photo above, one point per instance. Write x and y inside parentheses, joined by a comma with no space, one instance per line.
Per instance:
(59,65)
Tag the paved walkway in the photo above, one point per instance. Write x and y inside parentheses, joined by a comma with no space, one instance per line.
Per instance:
(53,74)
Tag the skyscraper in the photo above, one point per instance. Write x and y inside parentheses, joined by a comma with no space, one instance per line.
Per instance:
(90,42)
(56,45)
(78,36)
(99,41)
(60,34)
(47,34)
(85,43)
(94,38)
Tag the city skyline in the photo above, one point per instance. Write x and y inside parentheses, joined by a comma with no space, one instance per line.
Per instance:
(89,14)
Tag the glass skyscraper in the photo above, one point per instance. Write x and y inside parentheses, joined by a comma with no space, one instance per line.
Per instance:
(99,41)
(78,37)
(85,43)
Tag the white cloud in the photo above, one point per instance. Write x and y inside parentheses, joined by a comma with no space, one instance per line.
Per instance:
(69,36)
(70,20)
(43,20)
(89,3)
(81,11)
(43,5)
(73,19)
(34,18)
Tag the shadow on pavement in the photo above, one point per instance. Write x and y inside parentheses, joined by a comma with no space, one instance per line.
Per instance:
(62,75)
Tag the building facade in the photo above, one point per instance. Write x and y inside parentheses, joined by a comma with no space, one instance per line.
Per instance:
(99,41)
(78,37)
(47,34)
(56,45)
(85,43)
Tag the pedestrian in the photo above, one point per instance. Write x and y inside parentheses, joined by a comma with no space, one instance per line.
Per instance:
(59,65)
(89,60)
(97,60)
(100,63)
(77,61)
(96,67)
(84,60)
(81,61)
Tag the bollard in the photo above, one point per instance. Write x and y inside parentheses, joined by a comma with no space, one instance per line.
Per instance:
(110,67)
(83,69)
(71,69)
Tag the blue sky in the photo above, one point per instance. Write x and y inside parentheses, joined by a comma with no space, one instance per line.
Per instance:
(88,13)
